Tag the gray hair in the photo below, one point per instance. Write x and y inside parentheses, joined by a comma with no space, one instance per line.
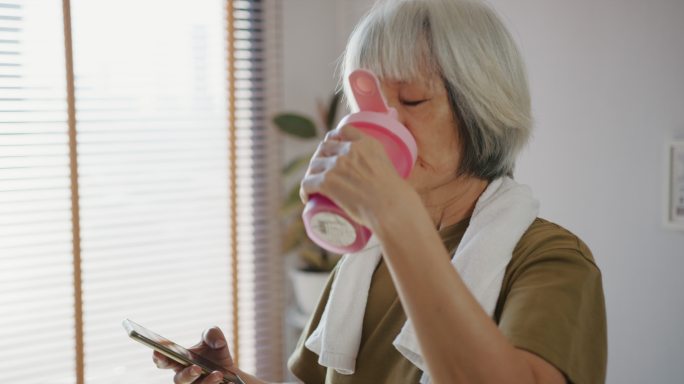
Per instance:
(466,43)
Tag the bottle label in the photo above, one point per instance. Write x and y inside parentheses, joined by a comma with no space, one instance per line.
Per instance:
(333,229)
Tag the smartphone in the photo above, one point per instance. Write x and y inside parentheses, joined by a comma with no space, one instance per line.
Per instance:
(174,351)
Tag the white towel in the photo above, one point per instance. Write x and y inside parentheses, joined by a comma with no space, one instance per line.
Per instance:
(501,216)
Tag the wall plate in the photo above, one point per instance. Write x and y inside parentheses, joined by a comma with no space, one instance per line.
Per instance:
(675,185)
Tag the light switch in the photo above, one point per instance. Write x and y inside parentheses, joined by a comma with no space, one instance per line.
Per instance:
(676,193)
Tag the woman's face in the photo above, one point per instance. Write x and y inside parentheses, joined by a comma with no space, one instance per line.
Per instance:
(423,107)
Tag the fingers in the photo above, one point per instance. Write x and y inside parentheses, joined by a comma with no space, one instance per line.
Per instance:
(303,195)
(329,148)
(214,378)
(187,375)
(316,175)
(212,346)
(336,146)
(310,184)
(320,164)
(323,159)
(338,142)
(344,133)
(192,373)
(162,362)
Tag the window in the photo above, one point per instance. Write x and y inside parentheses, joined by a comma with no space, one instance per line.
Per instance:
(36,288)
(161,233)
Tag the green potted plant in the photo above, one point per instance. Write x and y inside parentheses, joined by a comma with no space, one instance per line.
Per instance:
(314,262)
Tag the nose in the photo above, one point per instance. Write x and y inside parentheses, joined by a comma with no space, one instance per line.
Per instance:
(391,95)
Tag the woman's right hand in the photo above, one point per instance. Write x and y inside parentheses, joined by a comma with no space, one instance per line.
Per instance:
(214,347)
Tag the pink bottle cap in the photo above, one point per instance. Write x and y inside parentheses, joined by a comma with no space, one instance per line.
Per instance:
(377,119)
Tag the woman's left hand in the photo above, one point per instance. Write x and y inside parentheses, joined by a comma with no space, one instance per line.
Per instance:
(353,170)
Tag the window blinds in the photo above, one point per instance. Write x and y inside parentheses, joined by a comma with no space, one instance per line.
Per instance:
(153,176)
(154,183)
(36,288)
(257,82)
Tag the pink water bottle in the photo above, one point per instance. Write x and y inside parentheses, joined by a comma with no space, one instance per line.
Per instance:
(326,223)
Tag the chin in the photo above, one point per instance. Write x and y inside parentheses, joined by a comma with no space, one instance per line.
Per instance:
(420,181)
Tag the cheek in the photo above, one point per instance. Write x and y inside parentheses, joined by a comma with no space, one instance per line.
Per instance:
(438,141)
(442,152)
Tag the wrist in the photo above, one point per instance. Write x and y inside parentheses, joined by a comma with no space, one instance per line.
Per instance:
(395,210)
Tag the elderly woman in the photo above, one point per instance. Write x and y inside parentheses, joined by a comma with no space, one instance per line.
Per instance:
(467,285)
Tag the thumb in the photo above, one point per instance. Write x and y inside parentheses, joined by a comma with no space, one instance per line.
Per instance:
(214,338)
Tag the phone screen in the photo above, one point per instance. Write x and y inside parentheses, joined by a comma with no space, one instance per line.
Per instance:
(174,351)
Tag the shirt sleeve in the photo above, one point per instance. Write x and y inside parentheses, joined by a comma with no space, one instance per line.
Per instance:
(554,307)
(303,363)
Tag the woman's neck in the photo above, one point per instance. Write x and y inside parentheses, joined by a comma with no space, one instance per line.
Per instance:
(453,201)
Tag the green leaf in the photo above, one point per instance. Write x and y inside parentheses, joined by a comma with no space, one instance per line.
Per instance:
(293,235)
(292,200)
(296,164)
(295,125)
(312,260)
(332,111)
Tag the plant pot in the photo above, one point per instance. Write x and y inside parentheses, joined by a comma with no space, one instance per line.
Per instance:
(308,286)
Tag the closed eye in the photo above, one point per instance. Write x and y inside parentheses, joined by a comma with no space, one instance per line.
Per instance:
(413,103)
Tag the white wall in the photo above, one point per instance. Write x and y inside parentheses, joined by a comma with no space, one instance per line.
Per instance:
(310,52)
(607,80)
(607,83)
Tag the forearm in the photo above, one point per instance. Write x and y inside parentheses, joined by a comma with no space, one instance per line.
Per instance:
(459,341)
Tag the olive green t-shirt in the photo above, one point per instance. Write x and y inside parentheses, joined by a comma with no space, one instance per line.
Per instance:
(551,304)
